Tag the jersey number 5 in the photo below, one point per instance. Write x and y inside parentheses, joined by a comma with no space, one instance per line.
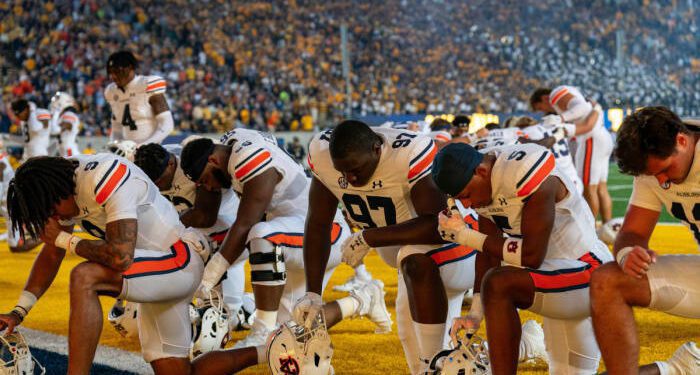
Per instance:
(353,203)
(127,120)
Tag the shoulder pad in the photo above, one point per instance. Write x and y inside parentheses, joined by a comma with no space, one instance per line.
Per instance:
(107,174)
(155,85)
(520,170)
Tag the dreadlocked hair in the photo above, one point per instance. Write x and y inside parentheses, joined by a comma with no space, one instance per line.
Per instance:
(152,159)
(39,184)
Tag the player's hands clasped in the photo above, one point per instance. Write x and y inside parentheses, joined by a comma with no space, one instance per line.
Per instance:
(451,223)
(307,308)
(354,249)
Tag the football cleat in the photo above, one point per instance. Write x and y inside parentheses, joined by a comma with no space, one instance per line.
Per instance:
(258,335)
(685,360)
(16,358)
(373,306)
(293,349)
(244,317)
(533,339)
(360,278)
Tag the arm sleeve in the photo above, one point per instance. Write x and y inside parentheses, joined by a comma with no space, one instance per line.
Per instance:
(165,125)
(577,108)
(643,196)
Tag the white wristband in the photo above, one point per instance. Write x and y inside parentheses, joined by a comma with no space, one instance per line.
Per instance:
(621,255)
(216,268)
(471,238)
(25,303)
(67,241)
(513,251)
(477,309)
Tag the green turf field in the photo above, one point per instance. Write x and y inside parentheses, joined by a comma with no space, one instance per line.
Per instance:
(620,187)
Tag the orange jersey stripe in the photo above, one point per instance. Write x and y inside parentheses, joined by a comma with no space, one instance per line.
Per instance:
(587,162)
(423,164)
(244,170)
(441,137)
(112,184)
(297,239)
(308,160)
(558,96)
(445,256)
(43,117)
(156,86)
(178,259)
(539,176)
(69,118)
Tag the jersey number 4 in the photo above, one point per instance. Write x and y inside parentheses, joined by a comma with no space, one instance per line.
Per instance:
(354,203)
(127,120)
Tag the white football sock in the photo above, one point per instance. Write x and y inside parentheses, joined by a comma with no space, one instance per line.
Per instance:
(430,338)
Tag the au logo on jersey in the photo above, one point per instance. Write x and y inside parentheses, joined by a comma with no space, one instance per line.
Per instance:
(342,182)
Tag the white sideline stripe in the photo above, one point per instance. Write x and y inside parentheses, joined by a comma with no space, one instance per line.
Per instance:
(107,356)
(619,187)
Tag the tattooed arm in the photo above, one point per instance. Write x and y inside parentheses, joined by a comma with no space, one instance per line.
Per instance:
(116,251)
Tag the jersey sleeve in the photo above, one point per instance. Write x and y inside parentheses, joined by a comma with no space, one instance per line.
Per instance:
(42,115)
(523,170)
(155,85)
(421,159)
(249,160)
(317,148)
(643,196)
(441,136)
(108,177)
(123,202)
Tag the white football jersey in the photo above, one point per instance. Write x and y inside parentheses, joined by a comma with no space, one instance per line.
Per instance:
(406,158)
(67,139)
(498,138)
(560,150)
(110,188)
(183,193)
(7,175)
(518,172)
(132,116)
(578,99)
(36,136)
(255,152)
(681,200)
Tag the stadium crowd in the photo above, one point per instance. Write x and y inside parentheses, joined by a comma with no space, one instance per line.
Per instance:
(277,65)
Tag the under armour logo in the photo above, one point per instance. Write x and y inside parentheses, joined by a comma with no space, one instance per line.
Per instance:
(502,201)
(85,211)
(447,236)
(376,184)
(512,247)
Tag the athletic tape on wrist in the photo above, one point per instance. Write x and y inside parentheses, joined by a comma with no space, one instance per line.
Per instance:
(477,309)
(472,238)
(621,255)
(216,268)
(25,302)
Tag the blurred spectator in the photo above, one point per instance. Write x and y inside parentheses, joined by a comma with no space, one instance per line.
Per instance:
(296,150)
(277,65)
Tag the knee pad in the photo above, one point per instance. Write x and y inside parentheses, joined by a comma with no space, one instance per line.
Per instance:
(266,263)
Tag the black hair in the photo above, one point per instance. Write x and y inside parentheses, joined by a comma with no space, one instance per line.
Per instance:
(122,59)
(38,186)
(461,121)
(440,124)
(152,159)
(491,126)
(651,131)
(537,95)
(19,105)
(194,157)
(351,136)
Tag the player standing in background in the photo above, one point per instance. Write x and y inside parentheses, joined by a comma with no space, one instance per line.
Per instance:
(663,154)
(595,144)
(273,192)
(140,112)
(35,127)
(65,119)
(16,243)
(537,246)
